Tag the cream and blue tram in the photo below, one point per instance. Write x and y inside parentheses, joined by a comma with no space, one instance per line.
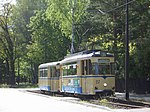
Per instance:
(88,73)
(49,74)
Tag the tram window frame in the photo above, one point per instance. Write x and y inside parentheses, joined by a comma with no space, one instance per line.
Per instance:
(97,68)
(57,72)
(104,68)
(82,67)
(65,72)
(112,67)
(73,69)
(51,75)
(70,69)
(43,72)
(88,67)
(53,71)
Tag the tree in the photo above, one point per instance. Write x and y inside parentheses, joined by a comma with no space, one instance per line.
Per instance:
(50,44)
(7,41)
(112,20)
(106,19)
(22,12)
(68,14)
(48,41)
(140,37)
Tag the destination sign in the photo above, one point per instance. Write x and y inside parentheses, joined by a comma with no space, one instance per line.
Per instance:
(104,61)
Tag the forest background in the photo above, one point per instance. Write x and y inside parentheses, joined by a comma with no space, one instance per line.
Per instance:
(39,31)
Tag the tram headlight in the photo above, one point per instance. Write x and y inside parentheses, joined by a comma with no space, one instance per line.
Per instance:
(105,84)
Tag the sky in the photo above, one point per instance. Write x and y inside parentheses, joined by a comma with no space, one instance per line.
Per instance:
(4,1)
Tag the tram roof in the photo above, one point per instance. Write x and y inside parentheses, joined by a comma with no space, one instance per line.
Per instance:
(86,55)
(48,64)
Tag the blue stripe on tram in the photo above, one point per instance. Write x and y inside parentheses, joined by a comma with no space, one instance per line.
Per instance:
(46,88)
(92,76)
(71,89)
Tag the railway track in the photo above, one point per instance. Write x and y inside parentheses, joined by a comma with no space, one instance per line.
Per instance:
(120,103)
(128,104)
(112,102)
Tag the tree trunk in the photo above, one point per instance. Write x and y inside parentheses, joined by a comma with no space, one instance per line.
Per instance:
(1,74)
(34,71)
(115,36)
(7,72)
(12,72)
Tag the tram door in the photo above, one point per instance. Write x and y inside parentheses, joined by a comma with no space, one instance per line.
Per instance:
(52,72)
(55,73)
(85,71)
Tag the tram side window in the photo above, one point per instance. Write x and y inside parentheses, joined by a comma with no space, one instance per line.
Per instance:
(50,71)
(41,73)
(65,71)
(89,68)
(53,71)
(70,69)
(95,69)
(86,67)
(45,73)
(112,68)
(57,72)
(82,65)
(73,69)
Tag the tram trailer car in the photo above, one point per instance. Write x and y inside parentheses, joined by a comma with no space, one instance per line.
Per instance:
(49,77)
(88,73)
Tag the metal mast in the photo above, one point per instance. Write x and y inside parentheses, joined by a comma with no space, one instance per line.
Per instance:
(73,27)
(127,54)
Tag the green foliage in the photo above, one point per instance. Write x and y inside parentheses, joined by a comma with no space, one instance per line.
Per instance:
(104,101)
(49,43)
(7,38)
(61,11)
(140,37)
(108,29)
(22,13)
(68,14)
(4,86)
(22,85)
(42,32)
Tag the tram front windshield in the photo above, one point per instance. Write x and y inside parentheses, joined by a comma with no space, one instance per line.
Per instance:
(102,69)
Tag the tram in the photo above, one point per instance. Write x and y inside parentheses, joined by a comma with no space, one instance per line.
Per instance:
(89,72)
(49,74)
(86,73)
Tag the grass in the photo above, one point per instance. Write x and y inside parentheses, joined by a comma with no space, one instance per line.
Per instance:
(4,86)
(21,85)
(105,102)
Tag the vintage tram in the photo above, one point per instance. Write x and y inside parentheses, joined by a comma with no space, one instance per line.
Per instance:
(88,73)
(49,74)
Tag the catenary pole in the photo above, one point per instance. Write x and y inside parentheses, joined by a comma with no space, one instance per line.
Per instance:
(127,54)
(126,42)
(73,27)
